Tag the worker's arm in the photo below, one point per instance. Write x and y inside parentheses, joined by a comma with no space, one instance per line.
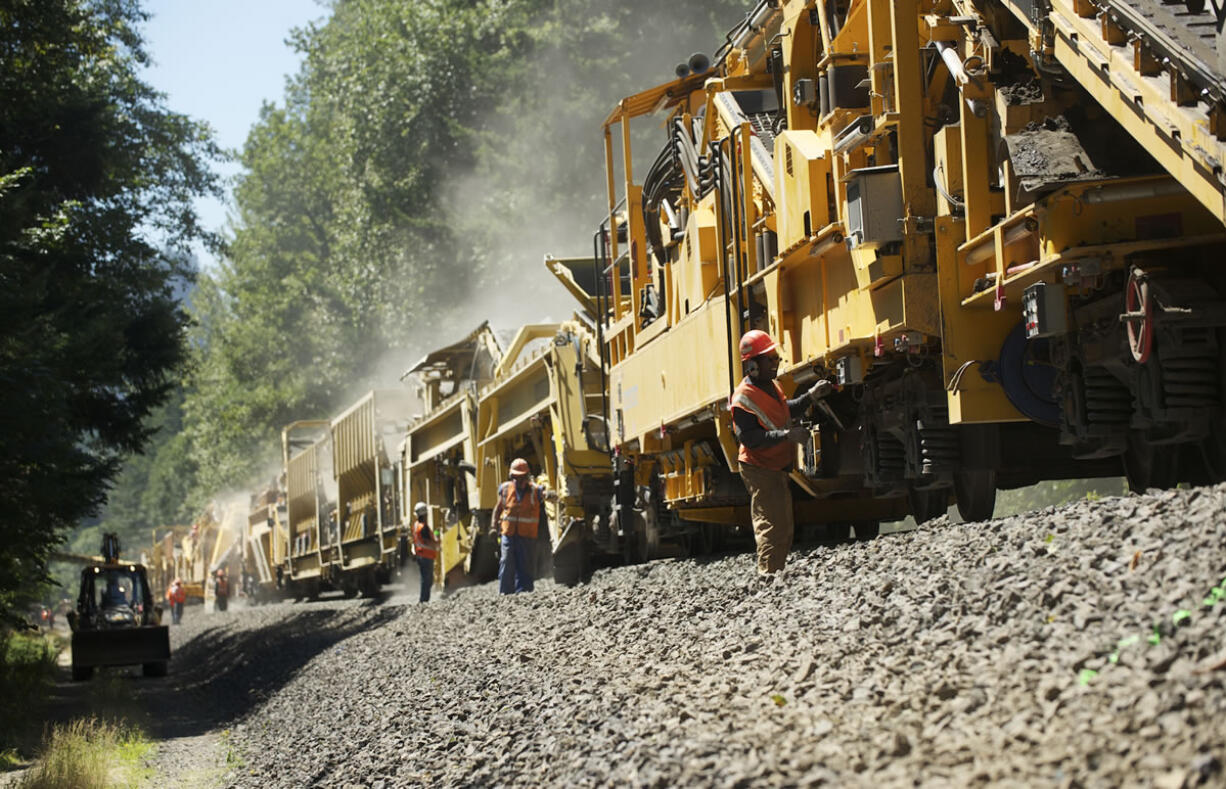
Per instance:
(497,511)
(798,405)
(751,434)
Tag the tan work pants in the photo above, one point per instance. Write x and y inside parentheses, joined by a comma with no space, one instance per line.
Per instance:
(770,506)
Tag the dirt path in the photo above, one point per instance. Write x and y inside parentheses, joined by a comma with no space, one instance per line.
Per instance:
(223,664)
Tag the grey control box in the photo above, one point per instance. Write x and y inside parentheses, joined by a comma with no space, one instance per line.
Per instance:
(874,206)
(1043,310)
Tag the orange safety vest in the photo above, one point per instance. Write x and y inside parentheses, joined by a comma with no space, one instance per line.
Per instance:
(520,517)
(772,413)
(421,546)
(176,594)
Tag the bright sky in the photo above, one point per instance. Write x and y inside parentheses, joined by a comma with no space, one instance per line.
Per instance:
(219,61)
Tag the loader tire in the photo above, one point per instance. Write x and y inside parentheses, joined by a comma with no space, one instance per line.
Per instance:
(82,673)
(155,669)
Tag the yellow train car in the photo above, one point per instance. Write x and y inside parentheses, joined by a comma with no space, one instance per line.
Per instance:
(363,439)
(166,560)
(310,493)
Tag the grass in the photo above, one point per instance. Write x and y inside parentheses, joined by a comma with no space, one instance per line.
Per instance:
(90,754)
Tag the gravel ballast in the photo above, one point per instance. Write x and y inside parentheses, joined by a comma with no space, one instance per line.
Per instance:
(1084,645)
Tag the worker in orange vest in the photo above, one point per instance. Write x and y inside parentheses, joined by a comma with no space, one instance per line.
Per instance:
(762,421)
(425,548)
(518,515)
(176,596)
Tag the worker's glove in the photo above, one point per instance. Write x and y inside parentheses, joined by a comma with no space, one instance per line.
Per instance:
(798,435)
(819,391)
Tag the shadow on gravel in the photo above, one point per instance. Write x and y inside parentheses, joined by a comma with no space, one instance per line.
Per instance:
(223,672)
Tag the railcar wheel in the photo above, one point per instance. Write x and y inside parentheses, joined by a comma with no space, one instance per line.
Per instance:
(975,491)
(155,669)
(82,673)
(1147,466)
(927,504)
(867,530)
(368,584)
(570,563)
(482,562)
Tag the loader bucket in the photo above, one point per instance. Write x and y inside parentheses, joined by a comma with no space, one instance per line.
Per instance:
(124,647)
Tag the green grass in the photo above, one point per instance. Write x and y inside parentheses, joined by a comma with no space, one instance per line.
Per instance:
(90,754)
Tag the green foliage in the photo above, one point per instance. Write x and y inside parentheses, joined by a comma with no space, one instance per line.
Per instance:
(27,665)
(91,334)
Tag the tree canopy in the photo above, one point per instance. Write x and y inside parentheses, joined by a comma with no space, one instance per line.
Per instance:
(96,183)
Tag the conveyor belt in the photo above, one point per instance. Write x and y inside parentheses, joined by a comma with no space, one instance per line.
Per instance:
(1187,38)
(1166,93)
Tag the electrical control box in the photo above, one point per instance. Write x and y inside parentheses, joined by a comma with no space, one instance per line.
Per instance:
(874,206)
(1043,310)
(849,370)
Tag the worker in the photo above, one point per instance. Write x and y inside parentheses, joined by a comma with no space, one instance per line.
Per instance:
(518,515)
(425,548)
(761,420)
(221,591)
(176,595)
(113,596)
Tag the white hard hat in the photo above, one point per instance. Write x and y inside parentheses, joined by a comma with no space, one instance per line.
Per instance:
(420,508)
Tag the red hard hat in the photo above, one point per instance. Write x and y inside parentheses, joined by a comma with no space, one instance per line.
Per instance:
(755,343)
(519,468)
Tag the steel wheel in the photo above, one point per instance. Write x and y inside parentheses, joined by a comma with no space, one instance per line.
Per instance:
(1147,466)
(975,490)
(928,504)
(1139,316)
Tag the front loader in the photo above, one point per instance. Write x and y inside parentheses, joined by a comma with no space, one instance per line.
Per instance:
(116,622)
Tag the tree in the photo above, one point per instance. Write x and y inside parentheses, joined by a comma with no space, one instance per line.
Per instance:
(94,171)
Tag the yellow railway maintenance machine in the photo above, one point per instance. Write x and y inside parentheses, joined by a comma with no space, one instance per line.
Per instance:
(438,461)
(364,439)
(166,560)
(266,542)
(997,227)
(544,405)
(310,496)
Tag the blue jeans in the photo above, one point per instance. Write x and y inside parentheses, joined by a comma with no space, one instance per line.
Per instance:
(426,567)
(515,565)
